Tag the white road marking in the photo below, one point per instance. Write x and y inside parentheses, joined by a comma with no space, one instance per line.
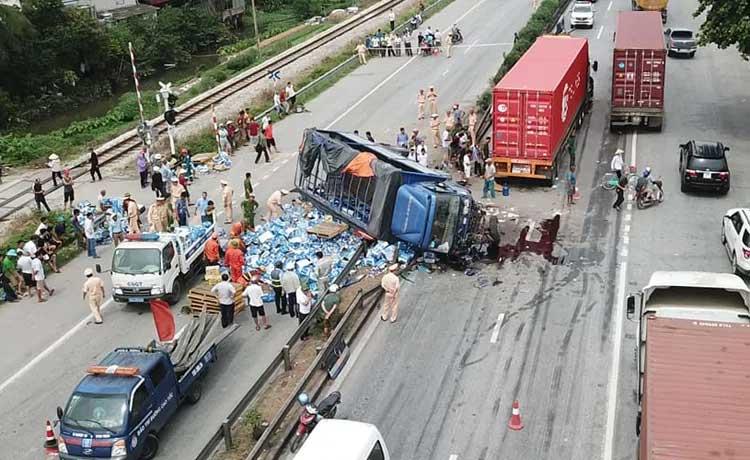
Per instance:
(265,177)
(468,48)
(624,252)
(633,151)
(625,240)
(626,229)
(627,217)
(453,457)
(446,72)
(599,35)
(496,330)
(285,161)
(610,5)
(630,206)
(275,169)
(46,352)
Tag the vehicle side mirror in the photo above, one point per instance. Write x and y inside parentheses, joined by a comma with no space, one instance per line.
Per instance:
(168,266)
(98,268)
(595,66)
(683,146)
(59,413)
(630,311)
(726,149)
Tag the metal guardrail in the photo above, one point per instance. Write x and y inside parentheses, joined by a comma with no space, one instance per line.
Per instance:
(130,142)
(224,431)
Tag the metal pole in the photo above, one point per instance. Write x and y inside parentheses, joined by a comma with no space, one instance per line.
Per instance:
(255,25)
(137,88)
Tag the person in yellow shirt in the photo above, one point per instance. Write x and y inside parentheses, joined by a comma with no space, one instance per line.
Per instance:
(391,285)
(93,290)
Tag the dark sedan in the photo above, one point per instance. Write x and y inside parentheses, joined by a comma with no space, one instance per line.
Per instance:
(703,165)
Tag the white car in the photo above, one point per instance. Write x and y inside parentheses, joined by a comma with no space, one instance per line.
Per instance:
(735,236)
(582,15)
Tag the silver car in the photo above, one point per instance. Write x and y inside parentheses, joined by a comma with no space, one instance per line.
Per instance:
(680,42)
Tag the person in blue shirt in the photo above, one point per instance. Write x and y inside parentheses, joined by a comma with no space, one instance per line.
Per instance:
(116,229)
(201,207)
(570,179)
(402,139)
(182,210)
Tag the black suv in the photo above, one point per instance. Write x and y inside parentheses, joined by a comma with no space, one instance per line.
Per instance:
(703,165)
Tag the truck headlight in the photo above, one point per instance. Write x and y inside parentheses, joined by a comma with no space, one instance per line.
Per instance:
(61,445)
(118,448)
(118,291)
(157,290)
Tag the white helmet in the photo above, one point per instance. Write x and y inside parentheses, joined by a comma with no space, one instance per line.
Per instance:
(88,272)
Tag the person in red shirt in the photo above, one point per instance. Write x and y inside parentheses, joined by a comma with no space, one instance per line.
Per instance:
(253,129)
(282,97)
(234,259)
(268,134)
(212,252)
(241,128)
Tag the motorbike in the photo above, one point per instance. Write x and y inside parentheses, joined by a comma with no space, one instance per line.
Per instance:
(650,194)
(456,36)
(311,415)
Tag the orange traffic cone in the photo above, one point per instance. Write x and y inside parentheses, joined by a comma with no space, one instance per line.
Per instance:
(50,441)
(515,422)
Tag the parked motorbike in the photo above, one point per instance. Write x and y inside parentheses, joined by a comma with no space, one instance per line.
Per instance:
(311,415)
(650,194)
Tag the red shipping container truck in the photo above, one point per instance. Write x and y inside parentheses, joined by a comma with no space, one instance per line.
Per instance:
(538,104)
(638,71)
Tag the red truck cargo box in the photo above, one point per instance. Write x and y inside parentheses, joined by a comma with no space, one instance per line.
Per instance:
(696,397)
(638,70)
(536,104)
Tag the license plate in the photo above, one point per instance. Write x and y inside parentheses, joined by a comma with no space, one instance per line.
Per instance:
(706,175)
(521,169)
(136,300)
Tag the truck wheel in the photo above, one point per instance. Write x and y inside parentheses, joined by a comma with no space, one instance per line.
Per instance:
(174,297)
(150,447)
(195,393)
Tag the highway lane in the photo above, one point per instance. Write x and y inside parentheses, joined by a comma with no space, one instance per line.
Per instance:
(48,337)
(440,383)
(706,99)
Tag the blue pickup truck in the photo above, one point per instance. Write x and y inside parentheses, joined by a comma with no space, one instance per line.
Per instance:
(375,189)
(119,407)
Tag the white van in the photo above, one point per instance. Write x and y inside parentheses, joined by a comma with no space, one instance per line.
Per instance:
(334,439)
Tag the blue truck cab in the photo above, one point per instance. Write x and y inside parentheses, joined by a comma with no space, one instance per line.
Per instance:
(376,189)
(117,410)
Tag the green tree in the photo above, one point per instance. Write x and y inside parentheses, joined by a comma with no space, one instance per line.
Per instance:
(727,23)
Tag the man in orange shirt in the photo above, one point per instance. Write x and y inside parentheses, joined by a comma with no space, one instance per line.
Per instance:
(212,252)
(234,259)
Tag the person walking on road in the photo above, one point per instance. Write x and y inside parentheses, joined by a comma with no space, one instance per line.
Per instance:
(421,100)
(234,259)
(361,50)
(323,267)
(274,204)
(90,232)
(68,193)
(290,284)
(448,45)
(392,19)
(141,164)
(94,166)
(570,180)
(55,167)
(93,290)
(249,207)
(435,128)
(391,285)
(261,149)
(278,293)
(622,185)
(226,199)
(617,163)
(268,134)
(253,131)
(37,268)
(224,291)
(432,97)
(131,208)
(304,307)
(157,182)
(489,179)
(253,295)
(248,185)
(39,197)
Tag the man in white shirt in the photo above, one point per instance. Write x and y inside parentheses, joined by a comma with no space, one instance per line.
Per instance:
(617,163)
(24,264)
(224,291)
(290,285)
(30,247)
(90,233)
(323,267)
(291,95)
(41,285)
(304,306)
(253,295)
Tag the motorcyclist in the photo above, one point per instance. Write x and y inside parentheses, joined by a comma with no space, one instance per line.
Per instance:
(456,33)
(643,181)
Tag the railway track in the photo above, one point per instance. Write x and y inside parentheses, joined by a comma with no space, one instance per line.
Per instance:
(131,143)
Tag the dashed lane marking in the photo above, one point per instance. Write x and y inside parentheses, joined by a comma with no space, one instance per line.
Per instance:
(599,35)
(496,330)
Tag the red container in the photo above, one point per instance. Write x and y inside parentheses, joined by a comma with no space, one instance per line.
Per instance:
(537,104)
(638,68)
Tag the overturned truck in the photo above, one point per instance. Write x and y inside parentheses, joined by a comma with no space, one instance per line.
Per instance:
(378,191)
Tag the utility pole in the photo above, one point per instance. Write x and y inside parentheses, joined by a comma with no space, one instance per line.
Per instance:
(144,130)
(170,114)
(255,25)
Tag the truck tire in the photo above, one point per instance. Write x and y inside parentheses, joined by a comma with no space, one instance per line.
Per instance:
(195,393)
(174,297)
(150,447)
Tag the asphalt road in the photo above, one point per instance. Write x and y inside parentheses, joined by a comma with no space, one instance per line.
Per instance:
(50,345)
(441,381)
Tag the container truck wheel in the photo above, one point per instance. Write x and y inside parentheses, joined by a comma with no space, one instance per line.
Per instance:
(174,297)
(196,391)
(150,447)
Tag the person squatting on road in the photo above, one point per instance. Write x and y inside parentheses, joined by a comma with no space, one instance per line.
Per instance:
(224,291)
(274,204)
(391,285)
(93,290)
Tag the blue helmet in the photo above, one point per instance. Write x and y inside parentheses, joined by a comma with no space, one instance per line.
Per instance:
(647,171)
(303,399)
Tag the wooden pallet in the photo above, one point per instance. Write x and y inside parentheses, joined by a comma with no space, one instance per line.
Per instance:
(201,296)
(328,230)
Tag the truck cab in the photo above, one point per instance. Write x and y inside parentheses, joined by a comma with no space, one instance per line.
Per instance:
(151,265)
(335,439)
(117,409)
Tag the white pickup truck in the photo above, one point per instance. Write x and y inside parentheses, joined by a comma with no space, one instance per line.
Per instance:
(150,265)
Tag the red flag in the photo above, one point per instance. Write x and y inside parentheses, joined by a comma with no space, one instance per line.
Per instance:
(163,319)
